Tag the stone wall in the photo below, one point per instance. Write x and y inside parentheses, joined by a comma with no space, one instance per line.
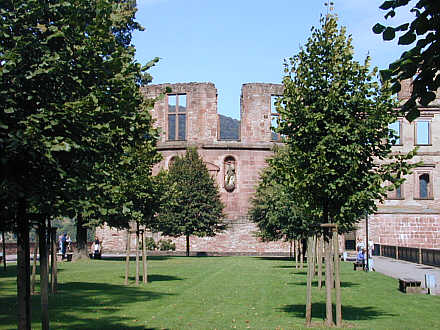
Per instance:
(406,221)
(414,230)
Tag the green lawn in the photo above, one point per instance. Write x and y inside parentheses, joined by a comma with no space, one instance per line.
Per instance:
(215,293)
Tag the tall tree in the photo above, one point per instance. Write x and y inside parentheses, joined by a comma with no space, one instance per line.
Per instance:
(422,61)
(192,206)
(70,109)
(335,117)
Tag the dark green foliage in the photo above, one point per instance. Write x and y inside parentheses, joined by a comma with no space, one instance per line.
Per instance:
(192,205)
(422,61)
(335,117)
(274,211)
(150,244)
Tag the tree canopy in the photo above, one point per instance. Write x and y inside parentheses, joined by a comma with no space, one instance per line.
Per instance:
(335,117)
(422,61)
(275,213)
(192,205)
(74,125)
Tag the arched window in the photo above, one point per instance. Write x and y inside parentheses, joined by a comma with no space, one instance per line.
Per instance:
(424,186)
(230,173)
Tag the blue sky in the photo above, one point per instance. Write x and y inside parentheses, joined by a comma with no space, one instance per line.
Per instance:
(231,43)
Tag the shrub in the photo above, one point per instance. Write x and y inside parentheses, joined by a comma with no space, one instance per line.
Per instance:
(167,245)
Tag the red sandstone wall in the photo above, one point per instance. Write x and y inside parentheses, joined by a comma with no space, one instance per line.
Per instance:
(202,117)
(255,111)
(410,230)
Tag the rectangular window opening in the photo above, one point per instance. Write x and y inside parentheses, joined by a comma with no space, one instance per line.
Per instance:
(177,104)
(423,134)
(395,129)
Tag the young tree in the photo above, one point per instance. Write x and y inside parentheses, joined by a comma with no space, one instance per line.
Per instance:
(422,61)
(192,206)
(275,213)
(336,116)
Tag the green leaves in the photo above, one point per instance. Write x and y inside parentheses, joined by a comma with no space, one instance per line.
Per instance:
(191,205)
(378,28)
(423,59)
(389,33)
(336,121)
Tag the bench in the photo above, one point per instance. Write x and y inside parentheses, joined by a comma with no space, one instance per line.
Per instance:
(409,285)
(357,265)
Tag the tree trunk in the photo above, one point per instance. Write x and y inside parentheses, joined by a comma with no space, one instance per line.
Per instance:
(187,245)
(319,259)
(4,250)
(34,263)
(53,252)
(144,259)
(310,274)
(81,239)
(337,280)
(301,254)
(137,254)
(44,277)
(127,258)
(328,285)
(290,249)
(23,270)
(296,254)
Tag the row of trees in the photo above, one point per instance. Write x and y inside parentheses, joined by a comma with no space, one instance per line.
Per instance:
(75,132)
(337,162)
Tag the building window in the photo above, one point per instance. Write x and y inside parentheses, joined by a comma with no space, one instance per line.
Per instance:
(274,119)
(423,185)
(176,117)
(423,132)
(395,128)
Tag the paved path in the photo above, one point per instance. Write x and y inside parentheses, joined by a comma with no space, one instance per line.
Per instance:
(399,269)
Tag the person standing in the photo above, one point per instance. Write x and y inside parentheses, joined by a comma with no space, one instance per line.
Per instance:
(63,245)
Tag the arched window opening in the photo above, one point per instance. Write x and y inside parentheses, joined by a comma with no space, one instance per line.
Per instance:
(424,185)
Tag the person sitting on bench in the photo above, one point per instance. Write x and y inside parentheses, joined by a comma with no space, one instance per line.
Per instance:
(360,259)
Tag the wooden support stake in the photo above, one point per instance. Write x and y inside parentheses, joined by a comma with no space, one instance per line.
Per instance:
(144,259)
(337,278)
(4,250)
(310,274)
(137,255)
(127,258)
(319,259)
(44,277)
(54,278)
(296,254)
(34,264)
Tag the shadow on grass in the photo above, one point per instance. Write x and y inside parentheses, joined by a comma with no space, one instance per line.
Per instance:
(11,271)
(156,278)
(315,284)
(349,313)
(84,305)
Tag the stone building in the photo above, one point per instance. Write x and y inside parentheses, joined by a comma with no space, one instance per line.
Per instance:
(410,216)
(188,117)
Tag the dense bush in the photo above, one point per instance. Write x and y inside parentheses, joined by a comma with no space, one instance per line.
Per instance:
(167,245)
